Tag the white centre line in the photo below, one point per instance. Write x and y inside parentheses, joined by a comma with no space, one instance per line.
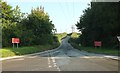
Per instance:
(49,63)
(55,64)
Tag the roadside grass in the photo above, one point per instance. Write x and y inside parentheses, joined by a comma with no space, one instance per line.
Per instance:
(61,36)
(7,52)
(75,35)
(108,51)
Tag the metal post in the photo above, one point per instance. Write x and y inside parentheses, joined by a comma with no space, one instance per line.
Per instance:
(118,43)
(17,45)
(118,48)
(13,45)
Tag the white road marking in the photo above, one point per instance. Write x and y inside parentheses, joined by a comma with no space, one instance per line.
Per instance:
(58,69)
(49,65)
(55,64)
(53,59)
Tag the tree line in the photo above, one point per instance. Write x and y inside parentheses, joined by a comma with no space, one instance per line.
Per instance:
(100,22)
(35,28)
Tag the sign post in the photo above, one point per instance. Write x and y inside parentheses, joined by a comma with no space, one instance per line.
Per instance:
(17,45)
(13,45)
(15,40)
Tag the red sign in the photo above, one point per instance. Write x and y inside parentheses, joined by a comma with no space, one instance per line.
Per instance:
(15,40)
(98,43)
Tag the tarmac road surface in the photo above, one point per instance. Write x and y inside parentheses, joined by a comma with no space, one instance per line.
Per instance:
(64,58)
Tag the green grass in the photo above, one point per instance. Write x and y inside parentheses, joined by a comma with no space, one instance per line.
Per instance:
(109,51)
(61,36)
(75,35)
(7,52)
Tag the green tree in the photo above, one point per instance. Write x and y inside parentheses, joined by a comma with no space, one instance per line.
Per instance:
(39,24)
(10,19)
(100,22)
(32,29)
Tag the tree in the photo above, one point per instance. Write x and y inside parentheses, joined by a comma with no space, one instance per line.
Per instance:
(39,24)
(10,19)
(32,29)
(100,22)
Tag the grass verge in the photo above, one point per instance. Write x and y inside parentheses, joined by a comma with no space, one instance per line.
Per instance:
(107,51)
(7,52)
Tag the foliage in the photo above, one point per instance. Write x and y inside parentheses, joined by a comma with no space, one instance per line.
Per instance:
(100,22)
(35,28)
(10,19)
(38,28)
(74,39)
(60,36)
(75,35)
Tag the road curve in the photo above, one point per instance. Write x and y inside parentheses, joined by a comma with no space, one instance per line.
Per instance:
(64,58)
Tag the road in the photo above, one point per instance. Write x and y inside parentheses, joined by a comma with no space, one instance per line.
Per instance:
(64,58)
